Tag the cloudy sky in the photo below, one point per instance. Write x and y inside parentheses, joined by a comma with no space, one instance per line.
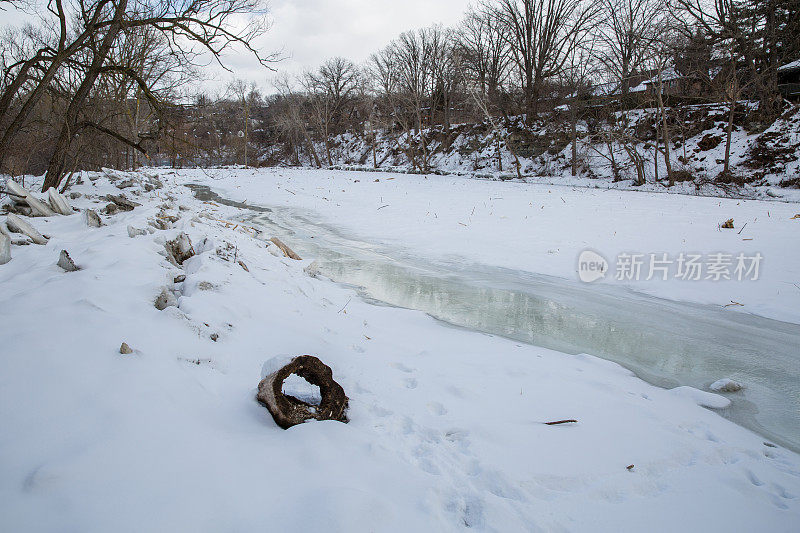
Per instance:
(310,31)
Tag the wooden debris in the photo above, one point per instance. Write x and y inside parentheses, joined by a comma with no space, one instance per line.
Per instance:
(288,252)
(557,422)
(732,304)
(287,410)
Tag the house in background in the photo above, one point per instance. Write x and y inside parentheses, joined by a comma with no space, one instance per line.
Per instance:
(789,80)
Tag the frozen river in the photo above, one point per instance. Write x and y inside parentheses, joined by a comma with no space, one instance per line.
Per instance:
(664,342)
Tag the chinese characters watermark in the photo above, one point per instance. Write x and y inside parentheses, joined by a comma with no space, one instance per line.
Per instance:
(715,266)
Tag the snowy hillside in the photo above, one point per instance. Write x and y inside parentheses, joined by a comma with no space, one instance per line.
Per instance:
(764,162)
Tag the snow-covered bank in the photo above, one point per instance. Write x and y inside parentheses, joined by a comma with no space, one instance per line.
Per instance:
(447,427)
(543,228)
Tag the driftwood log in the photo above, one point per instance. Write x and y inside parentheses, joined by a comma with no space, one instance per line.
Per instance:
(287,410)
(288,252)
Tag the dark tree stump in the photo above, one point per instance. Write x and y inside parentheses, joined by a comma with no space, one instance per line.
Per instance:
(288,411)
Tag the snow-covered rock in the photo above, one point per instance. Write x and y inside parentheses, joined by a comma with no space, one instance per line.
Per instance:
(58,202)
(18,225)
(66,262)
(92,218)
(180,248)
(38,207)
(165,299)
(701,398)
(135,232)
(5,245)
(726,385)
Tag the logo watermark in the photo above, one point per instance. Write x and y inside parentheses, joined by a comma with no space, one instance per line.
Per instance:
(591,266)
(685,266)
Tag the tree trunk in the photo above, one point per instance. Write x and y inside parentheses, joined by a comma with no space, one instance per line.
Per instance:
(56,168)
(665,134)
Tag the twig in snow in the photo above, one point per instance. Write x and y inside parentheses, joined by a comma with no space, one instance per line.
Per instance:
(732,304)
(557,422)
(381,207)
(345,305)
(740,231)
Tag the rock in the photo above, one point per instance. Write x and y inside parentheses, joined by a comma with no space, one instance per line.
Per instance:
(111,174)
(206,245)
(66,262)
(180,248)
(159,223)
(93,219)
(165,299)
(312,270)
(206,286)
(127,183)
(37,206)
(58,202)
(287,410)
(709,142)
(726,385)
(728,224)
(121,202)
(111,209)
(124,349)
(179,279)
(18,209)
(214,337)
(135,232)
(75,195)
(17,225)
(5,245)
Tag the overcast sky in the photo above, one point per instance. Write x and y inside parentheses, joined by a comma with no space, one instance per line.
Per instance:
(310,31)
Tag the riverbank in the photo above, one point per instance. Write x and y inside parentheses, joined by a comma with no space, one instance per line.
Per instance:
(447,427)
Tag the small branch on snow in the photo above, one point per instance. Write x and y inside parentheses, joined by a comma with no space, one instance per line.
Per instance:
(557,422)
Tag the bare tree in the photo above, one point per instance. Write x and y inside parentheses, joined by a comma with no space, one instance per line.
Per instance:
(189,28)
(541,34)
(484,52)
(628,29)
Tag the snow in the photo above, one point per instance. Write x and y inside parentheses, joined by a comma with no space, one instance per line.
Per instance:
(726,385)
(447,427)
(542,228)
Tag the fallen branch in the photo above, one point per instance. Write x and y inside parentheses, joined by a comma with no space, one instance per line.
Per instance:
(288,252)
(557,422)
